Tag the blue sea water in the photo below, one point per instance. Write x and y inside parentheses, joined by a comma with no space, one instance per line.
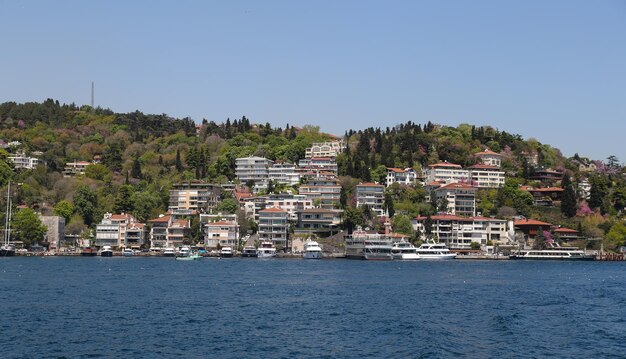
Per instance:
(62,307)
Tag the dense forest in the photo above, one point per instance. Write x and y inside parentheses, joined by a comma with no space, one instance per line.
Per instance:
(141,155)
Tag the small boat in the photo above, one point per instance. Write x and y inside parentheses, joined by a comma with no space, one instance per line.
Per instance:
(169,252)
(432,250)
(128,252)
(89,252)
(266,250)
(312,250)
(249,252)
(184,252)
(106,251)
(190,257)
(226,252)
(404,251)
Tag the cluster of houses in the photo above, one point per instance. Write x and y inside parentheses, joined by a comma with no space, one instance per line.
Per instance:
(314,207)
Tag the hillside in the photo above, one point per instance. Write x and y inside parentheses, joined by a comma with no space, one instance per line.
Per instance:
(141,155)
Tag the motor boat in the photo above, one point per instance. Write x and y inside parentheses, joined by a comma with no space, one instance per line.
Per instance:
(312,250)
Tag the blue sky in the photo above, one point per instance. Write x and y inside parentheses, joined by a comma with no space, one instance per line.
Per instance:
(551,70)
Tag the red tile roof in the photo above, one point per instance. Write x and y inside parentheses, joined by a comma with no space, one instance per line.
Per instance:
(272,209)
(397,170)
(530,222)
(488,152)
(221,223)
(548,189)
(163,219)
(445,164)
(565,230)
(456,186)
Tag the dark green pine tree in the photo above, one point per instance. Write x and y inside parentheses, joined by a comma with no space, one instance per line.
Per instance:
(179,163)
(568,200)
(136,169)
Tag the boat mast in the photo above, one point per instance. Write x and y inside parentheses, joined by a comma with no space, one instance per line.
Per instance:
(7,217)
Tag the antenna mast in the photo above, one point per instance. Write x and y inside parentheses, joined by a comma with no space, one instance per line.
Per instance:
(92,93)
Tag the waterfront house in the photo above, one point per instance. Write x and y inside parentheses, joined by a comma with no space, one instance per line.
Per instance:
(120,231)
(273,226)
(321,221)
(222,234)
(459,232)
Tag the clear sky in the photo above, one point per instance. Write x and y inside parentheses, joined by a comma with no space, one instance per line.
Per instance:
(551,70)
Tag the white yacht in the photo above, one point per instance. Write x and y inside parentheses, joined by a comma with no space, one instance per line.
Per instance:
(128,252)
(226,252)
(184,252)
(169,252)
(555,253)
(432,250)
(266,250)
(312,250)
(404,251)
(106,251)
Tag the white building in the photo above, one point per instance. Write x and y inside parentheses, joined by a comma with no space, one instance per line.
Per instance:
(290,203)
(459,232)
(372,195)
(273,225)
(253,169)
(75,168)
(319,164)
(119,230)
(325,193)
(405,176)
(445,172)
(486,176)
(284,173)
(187,197)
(20,160)
(460,197)
(222,233)
(325,149)
(488,157)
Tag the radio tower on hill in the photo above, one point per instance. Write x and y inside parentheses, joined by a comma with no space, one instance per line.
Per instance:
(92,86)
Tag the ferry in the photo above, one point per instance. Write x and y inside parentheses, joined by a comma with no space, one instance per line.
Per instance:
(404,251)
(432,250)
(378,249)
(555,253)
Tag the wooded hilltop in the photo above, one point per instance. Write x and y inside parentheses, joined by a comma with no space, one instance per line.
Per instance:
(136,158)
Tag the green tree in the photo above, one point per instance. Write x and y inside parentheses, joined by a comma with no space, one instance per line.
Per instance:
(123,200)
(568,199)
(27,227)
(179,163)
(64,209)
(228,205)
(85,203)
(616,236)
(145,204)
(96,171)
(136,169)
(402,224)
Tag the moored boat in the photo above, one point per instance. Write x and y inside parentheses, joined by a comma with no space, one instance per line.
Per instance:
(555,253)
(266,250)
(184,252)
(226,252)
(190,257)
(312,250)
(106,251)
(378,249)
(89,252)
(128,252)
(169,252)
(404,251)
(249,252)
(435,251)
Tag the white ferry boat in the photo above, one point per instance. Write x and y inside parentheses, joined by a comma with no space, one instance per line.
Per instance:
(555,253)
(432,250)
(312,250)
(372,246)
(266,250)
(355,245)
(404,251)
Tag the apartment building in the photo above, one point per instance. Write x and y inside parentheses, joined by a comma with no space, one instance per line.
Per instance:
(459,232)
(273,226)
(372,195)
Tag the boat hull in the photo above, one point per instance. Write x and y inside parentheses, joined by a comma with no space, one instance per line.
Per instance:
(189,258)
(406,257)
(436,257)
(4,252)
(554,258)
(312,255)
(249,255)
(106,254)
